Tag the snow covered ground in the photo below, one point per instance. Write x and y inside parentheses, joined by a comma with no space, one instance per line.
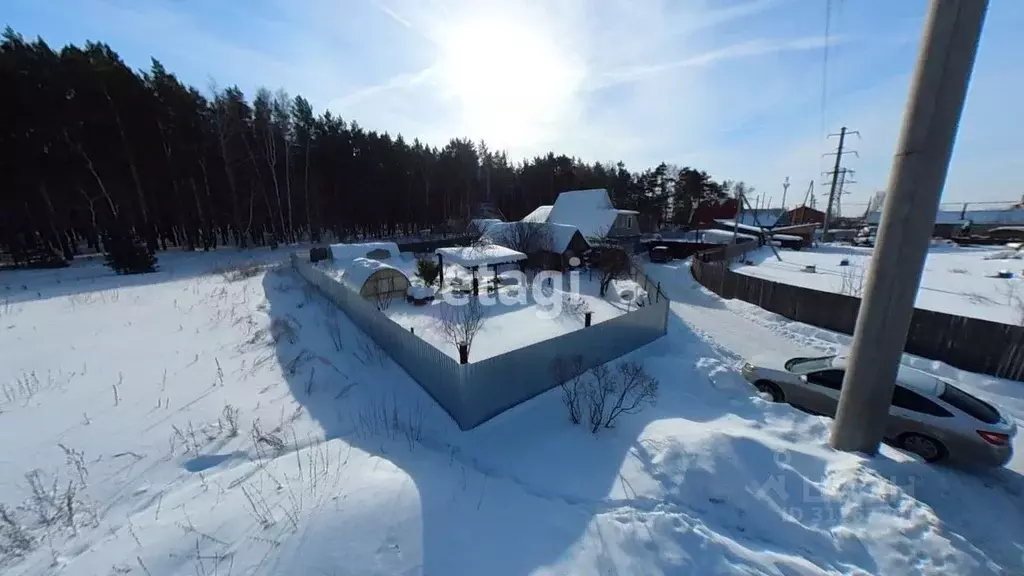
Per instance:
(510,323)
(957,280)
(342,465)
(515,316)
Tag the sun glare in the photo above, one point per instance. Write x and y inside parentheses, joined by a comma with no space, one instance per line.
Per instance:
(513,81)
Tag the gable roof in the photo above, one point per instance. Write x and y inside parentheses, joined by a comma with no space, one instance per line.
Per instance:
(590,211)
(561,235)
(540,214)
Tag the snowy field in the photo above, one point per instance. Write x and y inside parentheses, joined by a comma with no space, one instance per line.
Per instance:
(202,420)
(957,280)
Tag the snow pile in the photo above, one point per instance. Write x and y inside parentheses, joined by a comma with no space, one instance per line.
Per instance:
(628,291)
(344,252)
(1004,255)
(420,292)
(474,256)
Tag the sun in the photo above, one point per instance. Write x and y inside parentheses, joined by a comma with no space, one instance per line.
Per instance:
(513,81)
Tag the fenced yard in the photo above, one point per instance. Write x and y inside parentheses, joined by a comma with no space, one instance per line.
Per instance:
(967,343)
(477,391)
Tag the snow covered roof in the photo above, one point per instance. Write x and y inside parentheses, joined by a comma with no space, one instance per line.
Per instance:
(482,223)
(560,234)
(1006,216)
(787,237)
(741,226)
(540,214)
(590,211)
(471,256)
(721,236)
(354,274)
(344,252)
(763,216)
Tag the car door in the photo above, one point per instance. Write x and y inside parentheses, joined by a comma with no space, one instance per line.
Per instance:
(912,412)
(822,391)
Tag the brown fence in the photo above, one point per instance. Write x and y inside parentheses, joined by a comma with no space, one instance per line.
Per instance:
(966,343)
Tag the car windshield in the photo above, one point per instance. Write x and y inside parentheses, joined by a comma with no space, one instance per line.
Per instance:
(973,406)
(804,365)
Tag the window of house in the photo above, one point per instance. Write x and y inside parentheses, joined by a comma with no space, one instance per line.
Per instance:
(629,221)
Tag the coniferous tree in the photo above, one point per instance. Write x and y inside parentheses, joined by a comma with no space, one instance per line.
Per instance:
(91,149)
(126,253)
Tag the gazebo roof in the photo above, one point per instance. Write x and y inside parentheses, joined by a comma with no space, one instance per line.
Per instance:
(475,256)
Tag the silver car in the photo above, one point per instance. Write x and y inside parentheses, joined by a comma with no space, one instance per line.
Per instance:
(928,416)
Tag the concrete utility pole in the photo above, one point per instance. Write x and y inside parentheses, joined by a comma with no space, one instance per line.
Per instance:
(835,174)
(930,122)
(785,188)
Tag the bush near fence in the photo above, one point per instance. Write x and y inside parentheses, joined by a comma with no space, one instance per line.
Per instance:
(966,343)
(476,392)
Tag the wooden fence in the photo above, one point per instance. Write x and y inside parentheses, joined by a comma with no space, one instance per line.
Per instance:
(967,343)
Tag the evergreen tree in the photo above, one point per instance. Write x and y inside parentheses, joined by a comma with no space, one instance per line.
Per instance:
(126,253)
(91,149)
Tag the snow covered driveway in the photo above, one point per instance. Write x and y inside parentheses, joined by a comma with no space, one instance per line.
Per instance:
(713,319)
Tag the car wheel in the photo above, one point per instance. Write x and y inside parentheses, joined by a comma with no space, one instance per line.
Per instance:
(771,389)
(929,449)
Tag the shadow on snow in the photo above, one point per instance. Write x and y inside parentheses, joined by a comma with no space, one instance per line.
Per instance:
(517,493)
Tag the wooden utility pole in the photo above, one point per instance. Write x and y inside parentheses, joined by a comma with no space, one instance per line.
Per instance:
(785,188)
(835,173)
(930,122)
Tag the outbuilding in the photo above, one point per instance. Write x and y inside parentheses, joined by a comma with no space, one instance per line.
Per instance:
(373,278)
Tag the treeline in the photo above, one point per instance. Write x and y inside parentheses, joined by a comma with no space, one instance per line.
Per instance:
(90,148)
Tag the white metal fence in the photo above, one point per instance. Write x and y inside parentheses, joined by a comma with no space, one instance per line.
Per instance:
(473,393)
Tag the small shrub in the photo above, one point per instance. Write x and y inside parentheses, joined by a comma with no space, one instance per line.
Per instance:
(230,419)
(606,394)
(127,254)
(427,270)
(15,539)
(569,372)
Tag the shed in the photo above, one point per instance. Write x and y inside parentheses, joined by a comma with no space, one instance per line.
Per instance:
(801,215)
(372,278)
(552,244)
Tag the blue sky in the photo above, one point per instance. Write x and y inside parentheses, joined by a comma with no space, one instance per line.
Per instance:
(731,86)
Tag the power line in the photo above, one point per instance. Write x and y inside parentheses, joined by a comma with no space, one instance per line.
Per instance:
(824,62)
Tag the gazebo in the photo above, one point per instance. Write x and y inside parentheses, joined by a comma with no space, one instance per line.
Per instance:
(473,257)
